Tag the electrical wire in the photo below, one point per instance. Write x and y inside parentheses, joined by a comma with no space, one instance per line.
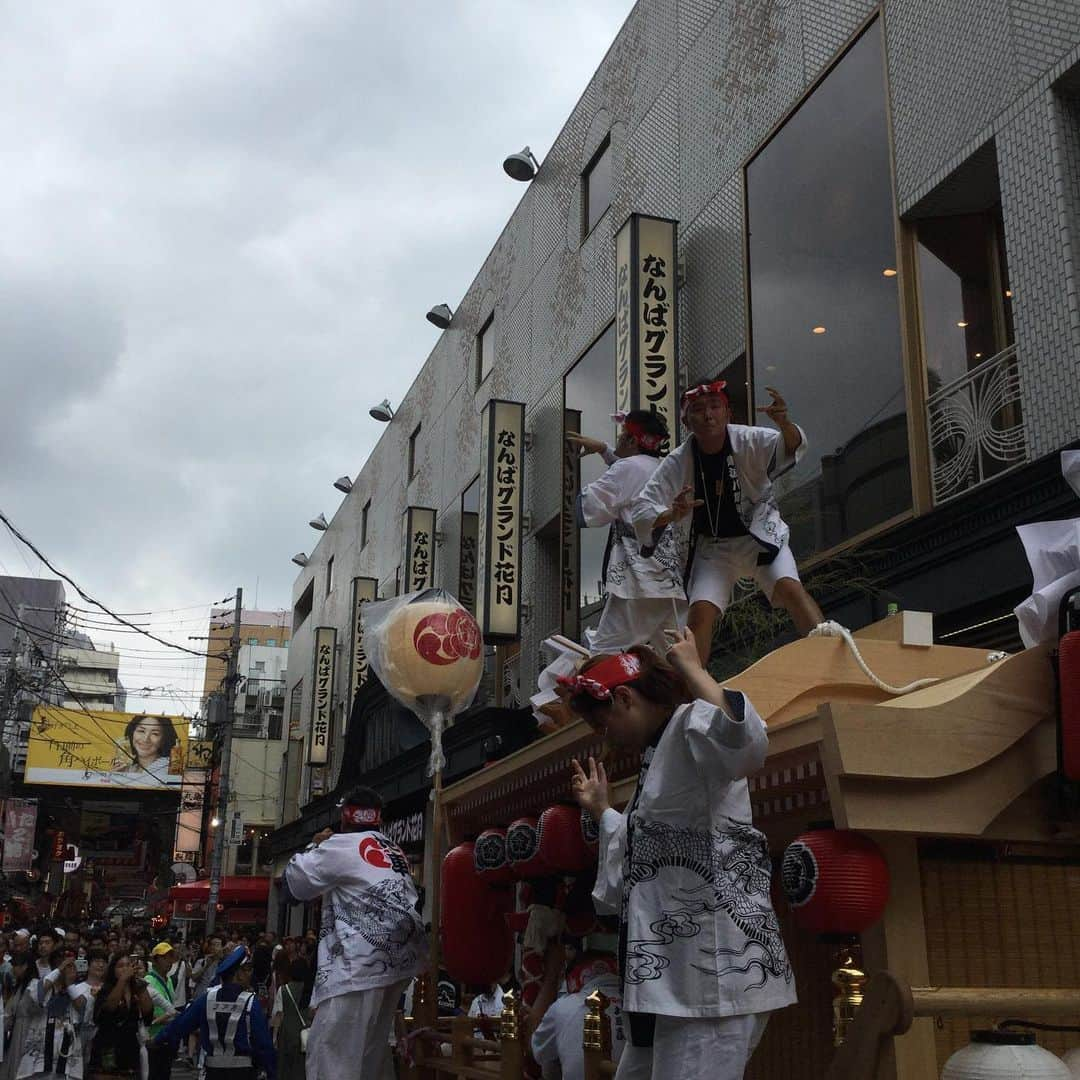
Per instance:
(76,698)
(86,596)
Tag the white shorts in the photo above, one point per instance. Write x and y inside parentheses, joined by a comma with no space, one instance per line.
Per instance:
(640,621)
(718,564)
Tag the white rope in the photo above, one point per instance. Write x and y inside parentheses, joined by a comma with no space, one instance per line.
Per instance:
(834,629)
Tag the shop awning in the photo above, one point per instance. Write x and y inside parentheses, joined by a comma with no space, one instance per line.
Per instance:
(234,890)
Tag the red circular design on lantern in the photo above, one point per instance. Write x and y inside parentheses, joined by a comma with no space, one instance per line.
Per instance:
(442,638)
(836,881)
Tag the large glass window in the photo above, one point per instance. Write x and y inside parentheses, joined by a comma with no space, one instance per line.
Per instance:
(597,187)
(824,308)
(485,350)
(964,295)
(589,388)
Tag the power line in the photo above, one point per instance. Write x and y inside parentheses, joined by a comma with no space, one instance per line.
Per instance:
(86,596)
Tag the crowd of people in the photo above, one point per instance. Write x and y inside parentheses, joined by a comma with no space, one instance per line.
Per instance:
(108,1002)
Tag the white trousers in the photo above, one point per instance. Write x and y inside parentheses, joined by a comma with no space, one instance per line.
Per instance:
(350,1035)
(640,621)
(685,1048)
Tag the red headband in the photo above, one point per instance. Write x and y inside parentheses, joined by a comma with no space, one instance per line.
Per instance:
(602,678)
(632,428)
(360,816)
(585,972)
(644,439)
(716,387)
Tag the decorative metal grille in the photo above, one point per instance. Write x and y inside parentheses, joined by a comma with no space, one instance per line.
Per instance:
(976,427)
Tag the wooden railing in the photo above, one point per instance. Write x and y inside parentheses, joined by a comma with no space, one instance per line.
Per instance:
(890,1005)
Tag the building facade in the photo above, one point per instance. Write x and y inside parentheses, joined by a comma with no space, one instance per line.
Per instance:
(876,208)
(91,675)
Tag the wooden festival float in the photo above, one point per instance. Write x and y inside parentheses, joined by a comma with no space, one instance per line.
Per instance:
(953,788)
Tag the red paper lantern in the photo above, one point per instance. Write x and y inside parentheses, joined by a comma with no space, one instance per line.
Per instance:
(561,840)
(477,946)
(836,881)
(491,861)
(523,849)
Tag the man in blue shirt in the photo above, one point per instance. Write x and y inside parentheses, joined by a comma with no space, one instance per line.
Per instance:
(233,1032)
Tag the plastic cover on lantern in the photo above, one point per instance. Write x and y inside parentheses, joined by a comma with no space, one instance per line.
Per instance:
(1004,1055)
(428,652)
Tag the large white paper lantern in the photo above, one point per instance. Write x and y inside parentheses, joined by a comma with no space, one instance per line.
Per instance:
(1004,1055)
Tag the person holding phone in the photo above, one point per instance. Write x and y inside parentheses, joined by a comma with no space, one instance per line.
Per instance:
(120,1007)
(52,1046)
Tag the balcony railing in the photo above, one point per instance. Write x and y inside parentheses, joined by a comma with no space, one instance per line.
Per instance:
(976,427)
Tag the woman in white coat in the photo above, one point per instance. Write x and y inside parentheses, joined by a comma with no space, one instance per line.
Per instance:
(701,956)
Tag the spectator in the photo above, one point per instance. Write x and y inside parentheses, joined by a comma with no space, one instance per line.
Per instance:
(51,1046)
(162,995)
(19,1007)
(288,1019)
(121,1005)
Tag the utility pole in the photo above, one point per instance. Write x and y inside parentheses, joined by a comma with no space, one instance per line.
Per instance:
(9,704)
(223,767)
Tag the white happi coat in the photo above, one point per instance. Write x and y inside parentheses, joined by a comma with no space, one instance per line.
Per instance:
(371,934)
(608,501)
(52,1043)
(691,874)
(760,456)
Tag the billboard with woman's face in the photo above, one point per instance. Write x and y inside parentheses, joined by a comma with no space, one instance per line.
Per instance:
(106,749)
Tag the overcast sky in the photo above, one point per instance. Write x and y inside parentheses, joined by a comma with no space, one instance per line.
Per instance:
(213,214)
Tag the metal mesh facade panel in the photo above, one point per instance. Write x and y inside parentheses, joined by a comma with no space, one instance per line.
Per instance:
(827,24)
(1036,232)
(1042,32)
(952,69)
(713,310)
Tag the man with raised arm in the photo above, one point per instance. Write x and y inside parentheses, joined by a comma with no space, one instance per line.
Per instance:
(717,487)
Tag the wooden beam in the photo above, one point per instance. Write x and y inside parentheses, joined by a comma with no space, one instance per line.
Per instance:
(898,943)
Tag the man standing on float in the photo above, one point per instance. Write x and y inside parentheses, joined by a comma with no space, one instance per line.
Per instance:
(644,593)
(721,479)
(371,943)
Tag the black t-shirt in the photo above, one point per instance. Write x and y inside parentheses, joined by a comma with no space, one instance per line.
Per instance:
(715,481)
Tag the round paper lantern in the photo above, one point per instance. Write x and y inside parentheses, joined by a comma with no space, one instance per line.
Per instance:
(429,655)
(432,647)
(561,841)
(477,946)
(491,861)
(523,849)
(1004,1055)
(836,881)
